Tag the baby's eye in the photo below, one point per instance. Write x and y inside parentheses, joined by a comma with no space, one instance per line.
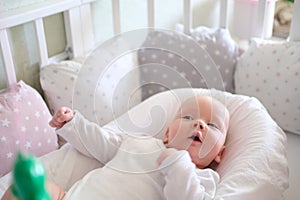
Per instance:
(213,125)
(187,117)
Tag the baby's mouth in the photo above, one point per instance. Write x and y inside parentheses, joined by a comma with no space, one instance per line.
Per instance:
(195,138)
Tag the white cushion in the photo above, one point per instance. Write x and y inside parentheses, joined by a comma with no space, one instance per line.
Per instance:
(57,81)
(64,85)
(254,165)
(270,71)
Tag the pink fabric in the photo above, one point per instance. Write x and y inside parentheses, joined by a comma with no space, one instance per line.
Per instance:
(24,119)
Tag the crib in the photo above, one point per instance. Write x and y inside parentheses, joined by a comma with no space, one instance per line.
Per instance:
(134,72)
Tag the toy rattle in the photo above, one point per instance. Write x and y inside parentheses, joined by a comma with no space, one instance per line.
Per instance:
(29,179)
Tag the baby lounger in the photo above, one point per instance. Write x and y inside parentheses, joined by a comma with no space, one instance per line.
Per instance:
(254,165)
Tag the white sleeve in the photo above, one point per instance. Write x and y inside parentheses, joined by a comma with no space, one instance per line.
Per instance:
(185,181)
(90,139)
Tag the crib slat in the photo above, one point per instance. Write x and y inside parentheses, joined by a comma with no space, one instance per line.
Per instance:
(79,30)
(42,44)
(116,16)
(187,16)
(150,13)
(295,25)
(261,18)
(223,14)
(34,11)
(7,56)
(87,26)
(74,32)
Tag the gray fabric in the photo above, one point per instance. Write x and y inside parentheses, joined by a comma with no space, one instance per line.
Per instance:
(200,61)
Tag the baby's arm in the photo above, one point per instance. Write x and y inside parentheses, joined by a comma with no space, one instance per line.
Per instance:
(87,137)
(183,179)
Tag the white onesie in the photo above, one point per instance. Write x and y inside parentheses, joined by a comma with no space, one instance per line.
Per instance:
(131,171)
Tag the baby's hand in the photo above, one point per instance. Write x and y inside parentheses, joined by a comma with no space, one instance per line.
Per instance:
(61,116)
(165,154)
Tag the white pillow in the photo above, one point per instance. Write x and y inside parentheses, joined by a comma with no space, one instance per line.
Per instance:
(270,71)
(64,85)
(57,81)
(254,165)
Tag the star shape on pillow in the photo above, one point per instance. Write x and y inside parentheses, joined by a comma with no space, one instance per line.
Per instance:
(5,122)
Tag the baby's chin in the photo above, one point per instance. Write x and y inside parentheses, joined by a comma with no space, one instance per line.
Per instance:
(201,163)
(178,146)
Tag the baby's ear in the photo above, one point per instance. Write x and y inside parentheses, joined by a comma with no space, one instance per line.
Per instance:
(218,158)
(166,138)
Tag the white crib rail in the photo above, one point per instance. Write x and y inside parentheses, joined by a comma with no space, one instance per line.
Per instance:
(42,45)
(79,31)
(116,16)
(151,19)
(223,14)
(295,25)
(294,34)
(7,56)
(187,16)
(77,23)
(261,18)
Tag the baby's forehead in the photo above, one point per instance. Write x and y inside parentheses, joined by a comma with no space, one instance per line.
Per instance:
(197,103)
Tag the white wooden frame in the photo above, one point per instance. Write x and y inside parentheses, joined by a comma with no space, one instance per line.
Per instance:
(295,26)
(79,30)
(77,15)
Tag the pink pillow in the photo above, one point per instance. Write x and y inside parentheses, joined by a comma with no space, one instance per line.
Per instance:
(24,119)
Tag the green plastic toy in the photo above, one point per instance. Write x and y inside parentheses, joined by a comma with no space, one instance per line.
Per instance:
(29,179)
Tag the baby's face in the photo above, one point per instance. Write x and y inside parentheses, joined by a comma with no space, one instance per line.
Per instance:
(200,127)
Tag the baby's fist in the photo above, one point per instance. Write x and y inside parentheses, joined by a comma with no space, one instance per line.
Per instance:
(61,116)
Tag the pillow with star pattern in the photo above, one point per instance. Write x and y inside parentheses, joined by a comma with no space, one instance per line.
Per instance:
(205,59)
(222,49)
(269,70)
(24,119)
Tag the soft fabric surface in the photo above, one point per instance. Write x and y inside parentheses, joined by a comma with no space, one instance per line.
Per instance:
(57,81)
(205,59)
(170,60)
(65,84)
(222,49)
(254,165)
(24,119)
(270,71)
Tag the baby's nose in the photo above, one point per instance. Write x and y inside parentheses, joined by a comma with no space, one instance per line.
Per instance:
(199,124)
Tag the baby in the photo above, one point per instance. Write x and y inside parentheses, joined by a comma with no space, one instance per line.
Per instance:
(146,167)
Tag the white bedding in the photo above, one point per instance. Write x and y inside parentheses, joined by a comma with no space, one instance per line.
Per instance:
(254,165)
